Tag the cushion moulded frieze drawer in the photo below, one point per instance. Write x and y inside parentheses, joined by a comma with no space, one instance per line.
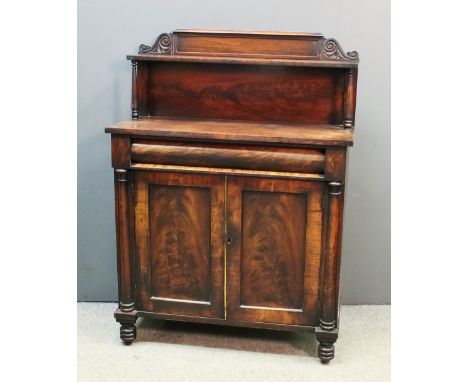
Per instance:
(264,158)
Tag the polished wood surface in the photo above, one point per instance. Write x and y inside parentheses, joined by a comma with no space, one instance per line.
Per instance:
(203,59)
(241,157)
(245,43)
(230,178)
(235,131)
(227,171)
(180,223)
(179,240)
(274,232)
(273,248)
(247,93)
(251,47)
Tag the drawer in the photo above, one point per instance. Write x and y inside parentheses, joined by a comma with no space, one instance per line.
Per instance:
(268,158)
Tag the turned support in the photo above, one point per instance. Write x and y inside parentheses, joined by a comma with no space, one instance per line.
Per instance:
(126,314)
(350,99)
(134,90)
(327,333)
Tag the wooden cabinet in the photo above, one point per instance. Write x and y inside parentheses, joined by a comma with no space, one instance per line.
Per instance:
(229,181)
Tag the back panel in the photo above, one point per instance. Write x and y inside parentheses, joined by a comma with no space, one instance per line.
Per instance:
(245,92)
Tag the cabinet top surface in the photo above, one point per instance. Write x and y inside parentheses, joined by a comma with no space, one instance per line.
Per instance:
(235,131)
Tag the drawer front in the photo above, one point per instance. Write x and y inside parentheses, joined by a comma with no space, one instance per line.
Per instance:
(229,156)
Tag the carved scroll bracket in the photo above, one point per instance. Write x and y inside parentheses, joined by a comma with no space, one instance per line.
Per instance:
(162,45)
(333,51)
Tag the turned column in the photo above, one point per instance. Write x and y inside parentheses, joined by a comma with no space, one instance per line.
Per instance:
(327,333)
(134,90)
(350,99)
(125,314)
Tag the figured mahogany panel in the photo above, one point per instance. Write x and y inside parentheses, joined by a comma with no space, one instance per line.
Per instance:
(273,249)
(246,92)
(179,237)
(274,229)
(242,157)
(180,222)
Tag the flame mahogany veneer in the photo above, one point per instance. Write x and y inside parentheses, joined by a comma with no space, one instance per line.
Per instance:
(229,181)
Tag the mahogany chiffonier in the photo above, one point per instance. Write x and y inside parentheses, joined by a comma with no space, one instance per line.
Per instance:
(229,181)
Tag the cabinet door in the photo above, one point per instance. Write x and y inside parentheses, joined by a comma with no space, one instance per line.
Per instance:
(179,243)
(274,246)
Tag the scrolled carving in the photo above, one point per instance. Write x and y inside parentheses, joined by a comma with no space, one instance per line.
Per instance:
(162,45)
(333,51)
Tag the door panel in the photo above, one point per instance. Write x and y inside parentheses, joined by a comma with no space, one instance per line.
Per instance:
(275,236)
(273,249)
(179,225)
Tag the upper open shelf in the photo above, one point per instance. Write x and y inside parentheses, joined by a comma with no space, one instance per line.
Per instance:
(286,78)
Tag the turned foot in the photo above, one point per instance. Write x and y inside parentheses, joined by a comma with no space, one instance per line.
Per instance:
(127,333)
(326,347)
(326,351)
(127,321)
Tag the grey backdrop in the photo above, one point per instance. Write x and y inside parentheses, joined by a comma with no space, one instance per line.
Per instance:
(108,30)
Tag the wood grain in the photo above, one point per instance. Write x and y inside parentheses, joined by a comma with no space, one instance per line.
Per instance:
(124,226)
(248,93)
(247,47)
(273,249)
(179,235)
(120,146)
(235,131)
(283,62)
(226,171)
(335,163)
(229,182)
(247,44)
(241,157)
(180,224)
(296,305)
(331,258)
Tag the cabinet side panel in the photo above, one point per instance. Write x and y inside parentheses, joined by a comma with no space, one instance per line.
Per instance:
(273,249)
(180,242)
(246,92)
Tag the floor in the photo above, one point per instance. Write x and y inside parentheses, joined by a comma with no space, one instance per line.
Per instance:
(170,351)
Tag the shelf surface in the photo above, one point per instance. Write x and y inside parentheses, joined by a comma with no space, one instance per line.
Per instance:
(225,59)
(238,131)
